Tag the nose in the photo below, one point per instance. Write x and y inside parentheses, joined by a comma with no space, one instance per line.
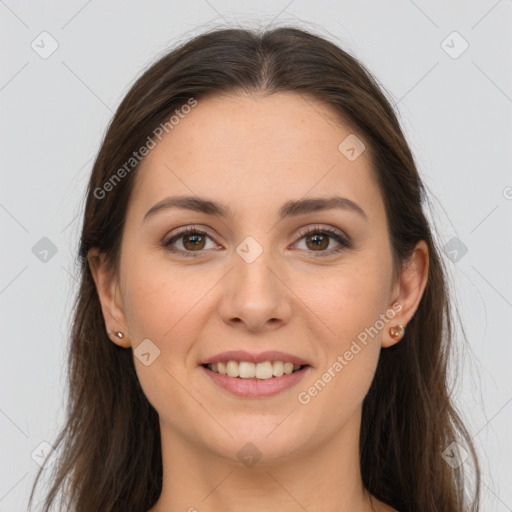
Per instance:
(255,296)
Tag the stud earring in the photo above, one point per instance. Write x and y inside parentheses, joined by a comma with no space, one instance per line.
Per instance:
(397,331)
(117,334)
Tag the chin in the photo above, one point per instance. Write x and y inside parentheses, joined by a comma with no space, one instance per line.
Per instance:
(259,438)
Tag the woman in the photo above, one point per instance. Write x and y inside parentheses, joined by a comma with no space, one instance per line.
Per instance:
(263,321)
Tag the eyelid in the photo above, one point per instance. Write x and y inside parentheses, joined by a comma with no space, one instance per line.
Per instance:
(330,230)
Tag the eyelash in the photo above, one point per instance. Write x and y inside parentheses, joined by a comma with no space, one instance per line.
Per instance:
(344,242)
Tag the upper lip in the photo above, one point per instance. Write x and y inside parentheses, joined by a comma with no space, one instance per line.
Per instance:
(260,357)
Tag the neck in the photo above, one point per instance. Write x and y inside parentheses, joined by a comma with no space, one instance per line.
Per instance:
(322,478)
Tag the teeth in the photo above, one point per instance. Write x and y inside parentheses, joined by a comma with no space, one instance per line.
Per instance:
(264,370)
(278,368)
(247,370)
(232,369)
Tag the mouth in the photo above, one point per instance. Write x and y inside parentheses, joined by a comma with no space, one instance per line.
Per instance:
(265,370)
(249,380)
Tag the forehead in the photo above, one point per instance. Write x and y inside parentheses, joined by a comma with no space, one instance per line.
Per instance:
(254,152)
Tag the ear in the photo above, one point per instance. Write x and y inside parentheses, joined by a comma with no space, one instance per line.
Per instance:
(408,290)
(110,298)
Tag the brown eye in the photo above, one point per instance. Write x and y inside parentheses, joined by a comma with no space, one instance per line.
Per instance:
(317,241)
(192,240)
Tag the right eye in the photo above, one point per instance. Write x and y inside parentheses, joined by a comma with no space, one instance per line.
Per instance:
(192,239)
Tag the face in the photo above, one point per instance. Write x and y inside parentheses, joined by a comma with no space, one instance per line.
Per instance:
(315,283)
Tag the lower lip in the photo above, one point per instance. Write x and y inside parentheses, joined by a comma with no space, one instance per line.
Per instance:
(256,388)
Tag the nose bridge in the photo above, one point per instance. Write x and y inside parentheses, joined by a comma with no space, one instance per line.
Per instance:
(254,268)
(256,293)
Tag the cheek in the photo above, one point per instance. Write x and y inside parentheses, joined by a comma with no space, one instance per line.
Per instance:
(163,306)
(168,305)
(350,299)
(358,313)
(352,347)
(151,304)
(336,391)
(156,299)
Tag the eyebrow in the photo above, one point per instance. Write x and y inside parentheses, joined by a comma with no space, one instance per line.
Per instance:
(289,209)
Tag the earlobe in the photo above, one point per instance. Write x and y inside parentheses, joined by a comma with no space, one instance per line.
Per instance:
(397,332)
(412,283)
(108,292)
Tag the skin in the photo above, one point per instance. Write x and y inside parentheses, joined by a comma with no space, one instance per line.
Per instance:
(254,153)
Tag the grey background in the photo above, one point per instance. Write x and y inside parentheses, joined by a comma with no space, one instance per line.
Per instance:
(456,113)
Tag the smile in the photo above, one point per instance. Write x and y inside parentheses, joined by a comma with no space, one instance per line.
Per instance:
(248,370)
(248,384)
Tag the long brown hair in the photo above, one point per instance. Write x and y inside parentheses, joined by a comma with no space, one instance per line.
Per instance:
(110,453)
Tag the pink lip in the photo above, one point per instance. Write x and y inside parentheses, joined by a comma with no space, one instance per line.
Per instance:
(261,357)
(256,388)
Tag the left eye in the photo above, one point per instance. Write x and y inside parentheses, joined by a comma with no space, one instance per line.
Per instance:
(319,238)
(193,241)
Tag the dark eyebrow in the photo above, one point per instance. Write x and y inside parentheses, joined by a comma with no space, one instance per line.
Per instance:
(293,208)
(289,209)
